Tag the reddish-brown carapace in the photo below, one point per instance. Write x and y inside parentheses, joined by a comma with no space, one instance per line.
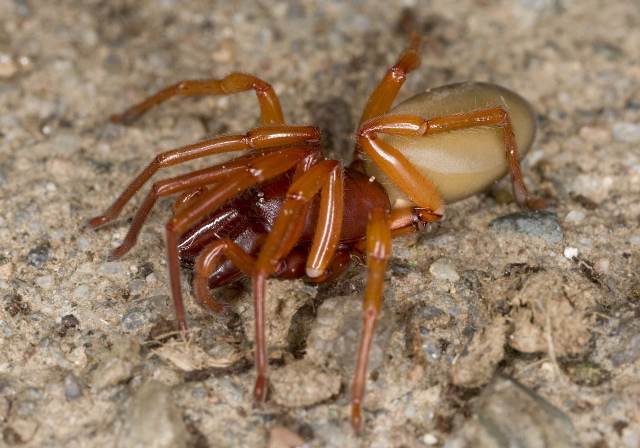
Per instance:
(283,210)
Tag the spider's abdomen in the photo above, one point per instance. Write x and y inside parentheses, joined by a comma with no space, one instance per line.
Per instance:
(463,162)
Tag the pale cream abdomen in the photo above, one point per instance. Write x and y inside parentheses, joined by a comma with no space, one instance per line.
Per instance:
(459,163)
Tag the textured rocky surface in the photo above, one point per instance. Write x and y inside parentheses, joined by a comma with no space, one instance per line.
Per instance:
(550,300)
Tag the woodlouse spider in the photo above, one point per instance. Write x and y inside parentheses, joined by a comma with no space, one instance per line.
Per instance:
(283,210)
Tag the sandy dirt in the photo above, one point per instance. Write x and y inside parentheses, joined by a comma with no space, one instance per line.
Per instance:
(500,327)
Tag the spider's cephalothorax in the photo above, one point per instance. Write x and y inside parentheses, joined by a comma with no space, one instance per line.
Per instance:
(284,210)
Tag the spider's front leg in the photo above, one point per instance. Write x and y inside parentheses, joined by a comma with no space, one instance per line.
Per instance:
(270,109)
(326,176)
(272,133)
(378,248)
(259,138)
(256,170)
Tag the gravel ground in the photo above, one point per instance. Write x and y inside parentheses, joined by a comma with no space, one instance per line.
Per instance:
(500,327)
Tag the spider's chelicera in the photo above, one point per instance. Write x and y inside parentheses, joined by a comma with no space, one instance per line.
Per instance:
(283,210)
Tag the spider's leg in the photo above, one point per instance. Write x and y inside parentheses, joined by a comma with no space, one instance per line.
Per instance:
(378,247)
(270,109)
(326,175)
(382,97)
(254,171)
(420,190)
(193,183)
(207,262)
(259,138)
(385,93)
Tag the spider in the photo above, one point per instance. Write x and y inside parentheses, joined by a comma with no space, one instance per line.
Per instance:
(283,210)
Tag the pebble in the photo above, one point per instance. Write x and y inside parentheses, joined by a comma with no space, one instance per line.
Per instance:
(537,420)
(444,269)
(630,437)
(629,348)
(301,384)
(111,267)
(430,439)
(229,390)
(570,252)
(45,281)
(601,265)
(281,437)
(144,312)
(626,132)
(72,388)
(82,243)
(82,292)
(8,67)
(118,365)
(595,134)
(152,420)
(575,217)
(537,224)
(6,270)
(335,336)
(151,278)
(20,430)
(38,257)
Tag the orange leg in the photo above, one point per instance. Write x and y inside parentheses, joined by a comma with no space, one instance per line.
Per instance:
(409,179)
(270,109)
(378,249)
(259,138)
(382,97)
(262,168)
(194,182)
(286,230)
(385,93)
(208,260)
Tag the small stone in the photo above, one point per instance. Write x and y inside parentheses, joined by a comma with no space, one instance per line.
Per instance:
(82,292)
(38,257)
(72,388)
(6,271)
(229,390)
(45,282)
(628,348)
(430,439)
(301,383)
(151,278)
(575,217)
(570,252)
(144,312)
(112,267)
(477,362)
(118,365)
(595,134)
(443,269)
(536,420)
(281,437)
(630,437)
(22,430)
(536,224)
(152,420)
(601,265)
(8,67)
(626,132)
(335,336)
